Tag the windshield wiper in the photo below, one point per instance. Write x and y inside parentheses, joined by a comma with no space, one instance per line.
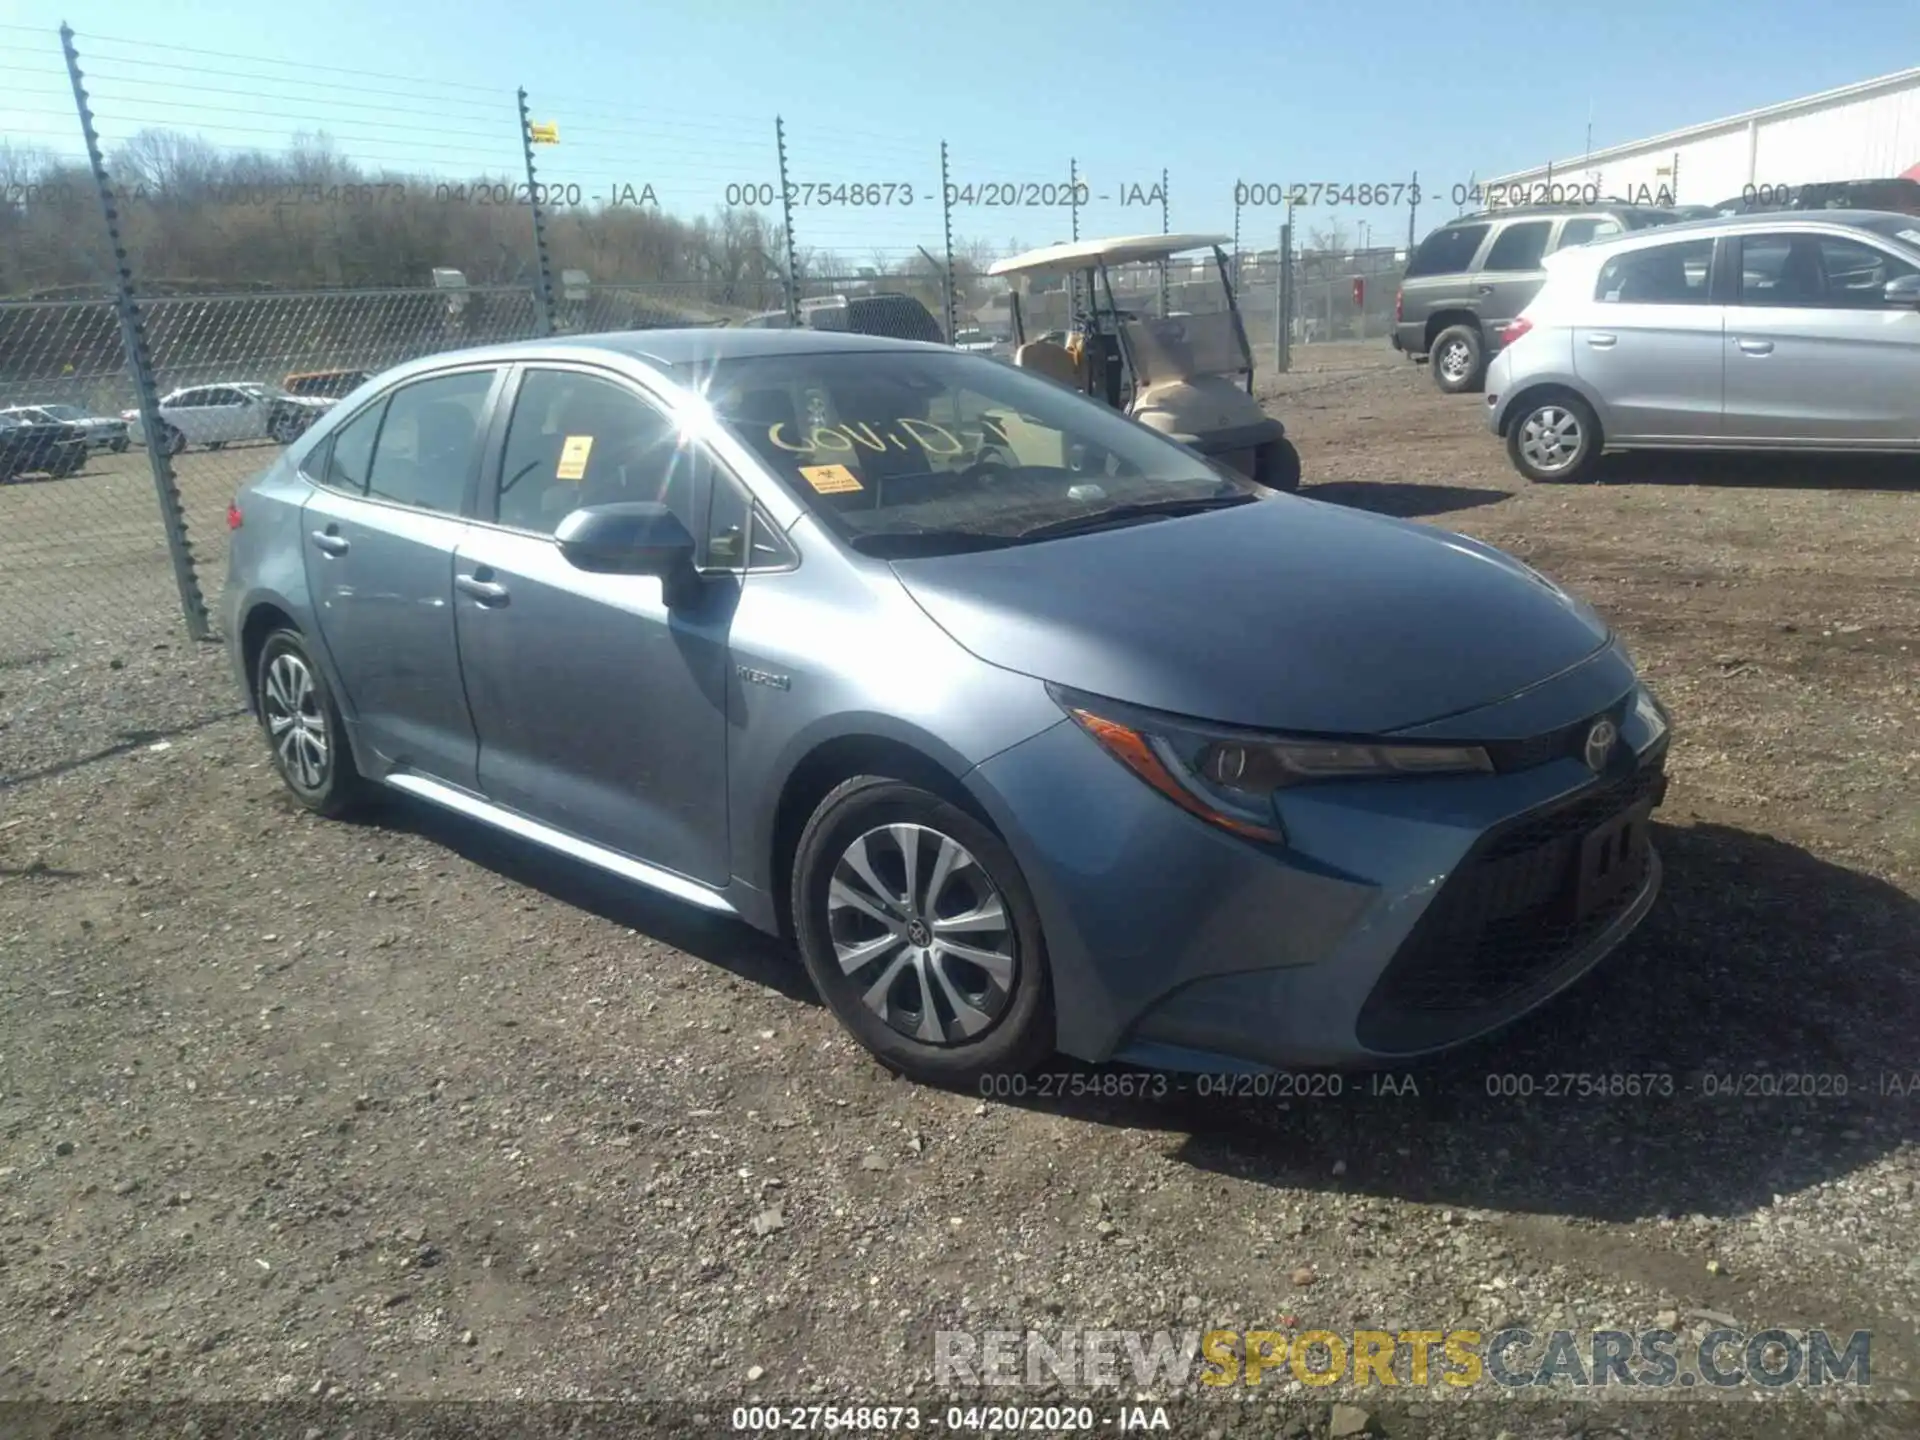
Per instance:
(1139,510)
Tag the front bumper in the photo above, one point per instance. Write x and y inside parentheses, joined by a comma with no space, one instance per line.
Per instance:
(1402,917)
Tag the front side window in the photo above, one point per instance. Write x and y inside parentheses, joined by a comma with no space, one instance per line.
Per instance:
(428,441)
(924,453)
(1816,272)
(1586,228)
(577,439)
(1658,275)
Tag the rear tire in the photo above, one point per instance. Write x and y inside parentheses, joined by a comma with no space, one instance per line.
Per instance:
(119,446)
(1277,465)
(304,730)
(172,441)
(1555,438)
(216,444)
(921,934)
(1459,359)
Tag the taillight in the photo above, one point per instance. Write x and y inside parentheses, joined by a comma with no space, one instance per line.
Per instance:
(233,515)
(1399,305)
(1513,330)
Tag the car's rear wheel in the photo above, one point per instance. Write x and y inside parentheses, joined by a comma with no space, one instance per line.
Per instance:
(172,440)
(119,445)
(68,464)
(216,444)
(1554,438)
(1459,359)
(303,726)
(921,934)
(1276,465)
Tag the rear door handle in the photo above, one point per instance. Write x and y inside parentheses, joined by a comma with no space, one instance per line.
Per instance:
(1484,289)
(1603,342)
(328,543)
(487,592)
(1755,347)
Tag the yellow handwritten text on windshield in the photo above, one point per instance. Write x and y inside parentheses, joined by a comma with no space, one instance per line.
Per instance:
(905,434)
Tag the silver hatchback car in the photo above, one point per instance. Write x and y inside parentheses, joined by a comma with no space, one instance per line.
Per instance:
(1790,331)
(1030,727)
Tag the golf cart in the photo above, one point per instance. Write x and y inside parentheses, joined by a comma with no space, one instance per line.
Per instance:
(1169,351)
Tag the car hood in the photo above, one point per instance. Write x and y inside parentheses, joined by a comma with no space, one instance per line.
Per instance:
(1286,614)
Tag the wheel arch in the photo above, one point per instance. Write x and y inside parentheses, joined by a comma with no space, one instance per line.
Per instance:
(1446,319)
(1535,391)
(832,760)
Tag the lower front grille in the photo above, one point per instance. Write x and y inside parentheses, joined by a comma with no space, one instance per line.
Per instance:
(1530,896)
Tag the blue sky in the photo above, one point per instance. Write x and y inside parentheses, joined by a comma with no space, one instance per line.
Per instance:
(682,96)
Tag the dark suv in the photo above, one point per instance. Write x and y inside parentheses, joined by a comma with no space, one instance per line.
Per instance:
(1474,274)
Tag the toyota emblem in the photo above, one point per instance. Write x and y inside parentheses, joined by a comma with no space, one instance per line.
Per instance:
(1600,743)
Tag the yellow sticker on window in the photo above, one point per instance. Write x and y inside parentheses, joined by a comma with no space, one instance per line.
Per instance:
(831,479)
(573,457)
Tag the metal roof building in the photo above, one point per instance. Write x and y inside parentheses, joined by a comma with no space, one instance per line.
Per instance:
(1865,131)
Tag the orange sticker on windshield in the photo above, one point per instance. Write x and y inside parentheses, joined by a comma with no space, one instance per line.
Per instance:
(573,457)
(831,479)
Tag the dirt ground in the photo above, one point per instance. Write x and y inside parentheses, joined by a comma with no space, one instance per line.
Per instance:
(326,1114)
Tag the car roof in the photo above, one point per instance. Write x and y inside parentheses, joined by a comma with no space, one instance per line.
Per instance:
(671,349)
(1762,220)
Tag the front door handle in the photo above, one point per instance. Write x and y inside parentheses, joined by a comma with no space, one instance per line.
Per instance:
(1756,347)
(487,592)
(1602,341)
(329,543)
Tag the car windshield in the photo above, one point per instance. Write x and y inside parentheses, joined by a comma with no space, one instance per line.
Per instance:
(929,452)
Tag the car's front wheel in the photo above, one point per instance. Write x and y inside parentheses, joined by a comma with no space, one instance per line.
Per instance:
(1276,465)
(921,934)
(119,444)
(303,725)
(1556,437)
(284,429)
(172,440)
(1459,359)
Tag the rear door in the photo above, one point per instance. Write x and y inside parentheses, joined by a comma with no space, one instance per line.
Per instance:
(195,414)
(397,484)
(1649,343)
(1512,273)
(1815,354)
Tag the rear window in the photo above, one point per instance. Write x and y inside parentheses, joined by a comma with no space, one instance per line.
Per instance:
(1447,250)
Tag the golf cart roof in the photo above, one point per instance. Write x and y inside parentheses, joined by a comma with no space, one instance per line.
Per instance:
(1085,254)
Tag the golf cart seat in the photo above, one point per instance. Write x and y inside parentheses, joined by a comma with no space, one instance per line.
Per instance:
(1050,360)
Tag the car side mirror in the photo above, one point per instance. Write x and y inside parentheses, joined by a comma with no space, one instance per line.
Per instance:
(634,537)
(1904,290)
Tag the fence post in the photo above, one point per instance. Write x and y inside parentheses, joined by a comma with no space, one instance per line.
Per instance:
(946,222)
(1166,228)
(1073,277)
(133,336)
(786,212)
(545,270)
(1283,301)
(1413,212)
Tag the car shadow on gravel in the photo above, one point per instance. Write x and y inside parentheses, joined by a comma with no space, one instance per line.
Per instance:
(1774,994)
(730,944)
(1773,471)
(1403,500)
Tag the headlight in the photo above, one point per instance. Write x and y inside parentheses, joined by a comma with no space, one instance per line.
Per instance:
(1229,777)
(1651,713)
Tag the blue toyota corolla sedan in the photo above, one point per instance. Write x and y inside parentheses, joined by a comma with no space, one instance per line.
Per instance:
(1033,730)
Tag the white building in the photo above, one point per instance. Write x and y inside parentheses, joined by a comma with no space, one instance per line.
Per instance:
(1865,131)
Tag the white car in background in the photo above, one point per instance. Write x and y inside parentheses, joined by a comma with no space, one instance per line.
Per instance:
(217,415)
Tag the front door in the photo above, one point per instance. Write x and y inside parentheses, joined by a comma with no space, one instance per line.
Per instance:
(1815,353)
(600,710)
(1650,343)
(379,535)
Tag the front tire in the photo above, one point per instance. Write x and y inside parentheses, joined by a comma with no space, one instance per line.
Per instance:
(119,445)
(921,934)
(1459,359)
(173,440)
(284,429)
(1554,438)
(1276,465)
(303,728)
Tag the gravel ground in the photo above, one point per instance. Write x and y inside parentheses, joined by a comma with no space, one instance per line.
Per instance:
(328,1114)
